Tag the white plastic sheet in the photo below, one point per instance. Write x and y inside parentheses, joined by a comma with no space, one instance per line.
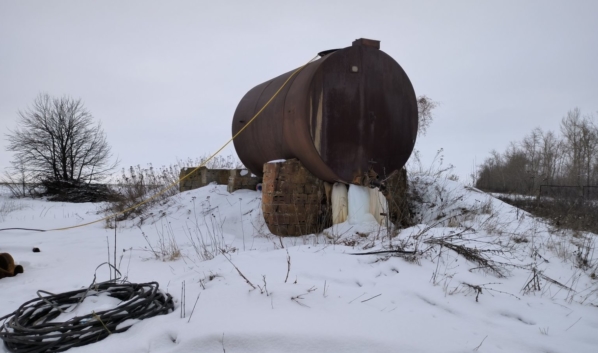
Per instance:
(340,203)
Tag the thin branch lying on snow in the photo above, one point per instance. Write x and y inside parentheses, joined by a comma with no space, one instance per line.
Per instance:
(574,323)
(478,289)
(548,279)
(478,347)
(440,221)
(300,297)
(193,310)
(386,252)
(356,298)
(471,254)
(534,283)
(238,271)
(375,296)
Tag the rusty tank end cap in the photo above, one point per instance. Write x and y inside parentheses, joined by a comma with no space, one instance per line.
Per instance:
(367,42)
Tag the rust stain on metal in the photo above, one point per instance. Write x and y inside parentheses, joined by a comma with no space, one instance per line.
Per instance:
(349,113)
(318,126)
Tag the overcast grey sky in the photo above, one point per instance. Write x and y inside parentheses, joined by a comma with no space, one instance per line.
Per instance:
(164,77)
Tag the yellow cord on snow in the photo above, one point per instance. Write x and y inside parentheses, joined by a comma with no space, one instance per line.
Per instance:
(201,165)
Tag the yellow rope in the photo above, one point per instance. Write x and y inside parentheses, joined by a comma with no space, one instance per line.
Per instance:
(201,165)
(100,320)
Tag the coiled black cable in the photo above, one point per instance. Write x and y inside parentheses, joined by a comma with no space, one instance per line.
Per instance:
(29,330)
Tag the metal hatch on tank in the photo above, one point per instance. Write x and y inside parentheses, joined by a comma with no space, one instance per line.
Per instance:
(350,116)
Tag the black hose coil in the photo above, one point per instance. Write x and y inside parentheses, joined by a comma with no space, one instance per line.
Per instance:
(28,330)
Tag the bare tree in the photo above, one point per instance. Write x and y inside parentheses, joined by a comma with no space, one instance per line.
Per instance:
(543,158)
(490,175)
(531,145)
(425,106)
(17,178)
(551,156)
(581,145)
(56,140)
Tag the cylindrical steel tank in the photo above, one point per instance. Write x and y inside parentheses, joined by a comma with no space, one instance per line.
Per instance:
(350,114)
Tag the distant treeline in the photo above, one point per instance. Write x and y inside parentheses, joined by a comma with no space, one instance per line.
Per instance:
(545,157)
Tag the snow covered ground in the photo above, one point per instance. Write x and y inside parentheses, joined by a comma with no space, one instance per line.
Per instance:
(486,277)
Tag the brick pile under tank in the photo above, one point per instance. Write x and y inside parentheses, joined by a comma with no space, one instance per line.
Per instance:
(294,201)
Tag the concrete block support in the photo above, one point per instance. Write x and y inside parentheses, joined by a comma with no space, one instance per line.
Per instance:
(202,177)
(241,179)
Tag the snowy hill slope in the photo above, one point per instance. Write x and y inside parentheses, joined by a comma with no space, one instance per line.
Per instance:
(485,276)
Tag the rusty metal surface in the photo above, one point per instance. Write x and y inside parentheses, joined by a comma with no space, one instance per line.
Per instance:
(349,116)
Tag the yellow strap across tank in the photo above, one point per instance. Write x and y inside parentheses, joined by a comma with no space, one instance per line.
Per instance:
(201,165)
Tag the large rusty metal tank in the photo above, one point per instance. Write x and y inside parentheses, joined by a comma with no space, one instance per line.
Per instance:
(350,116)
